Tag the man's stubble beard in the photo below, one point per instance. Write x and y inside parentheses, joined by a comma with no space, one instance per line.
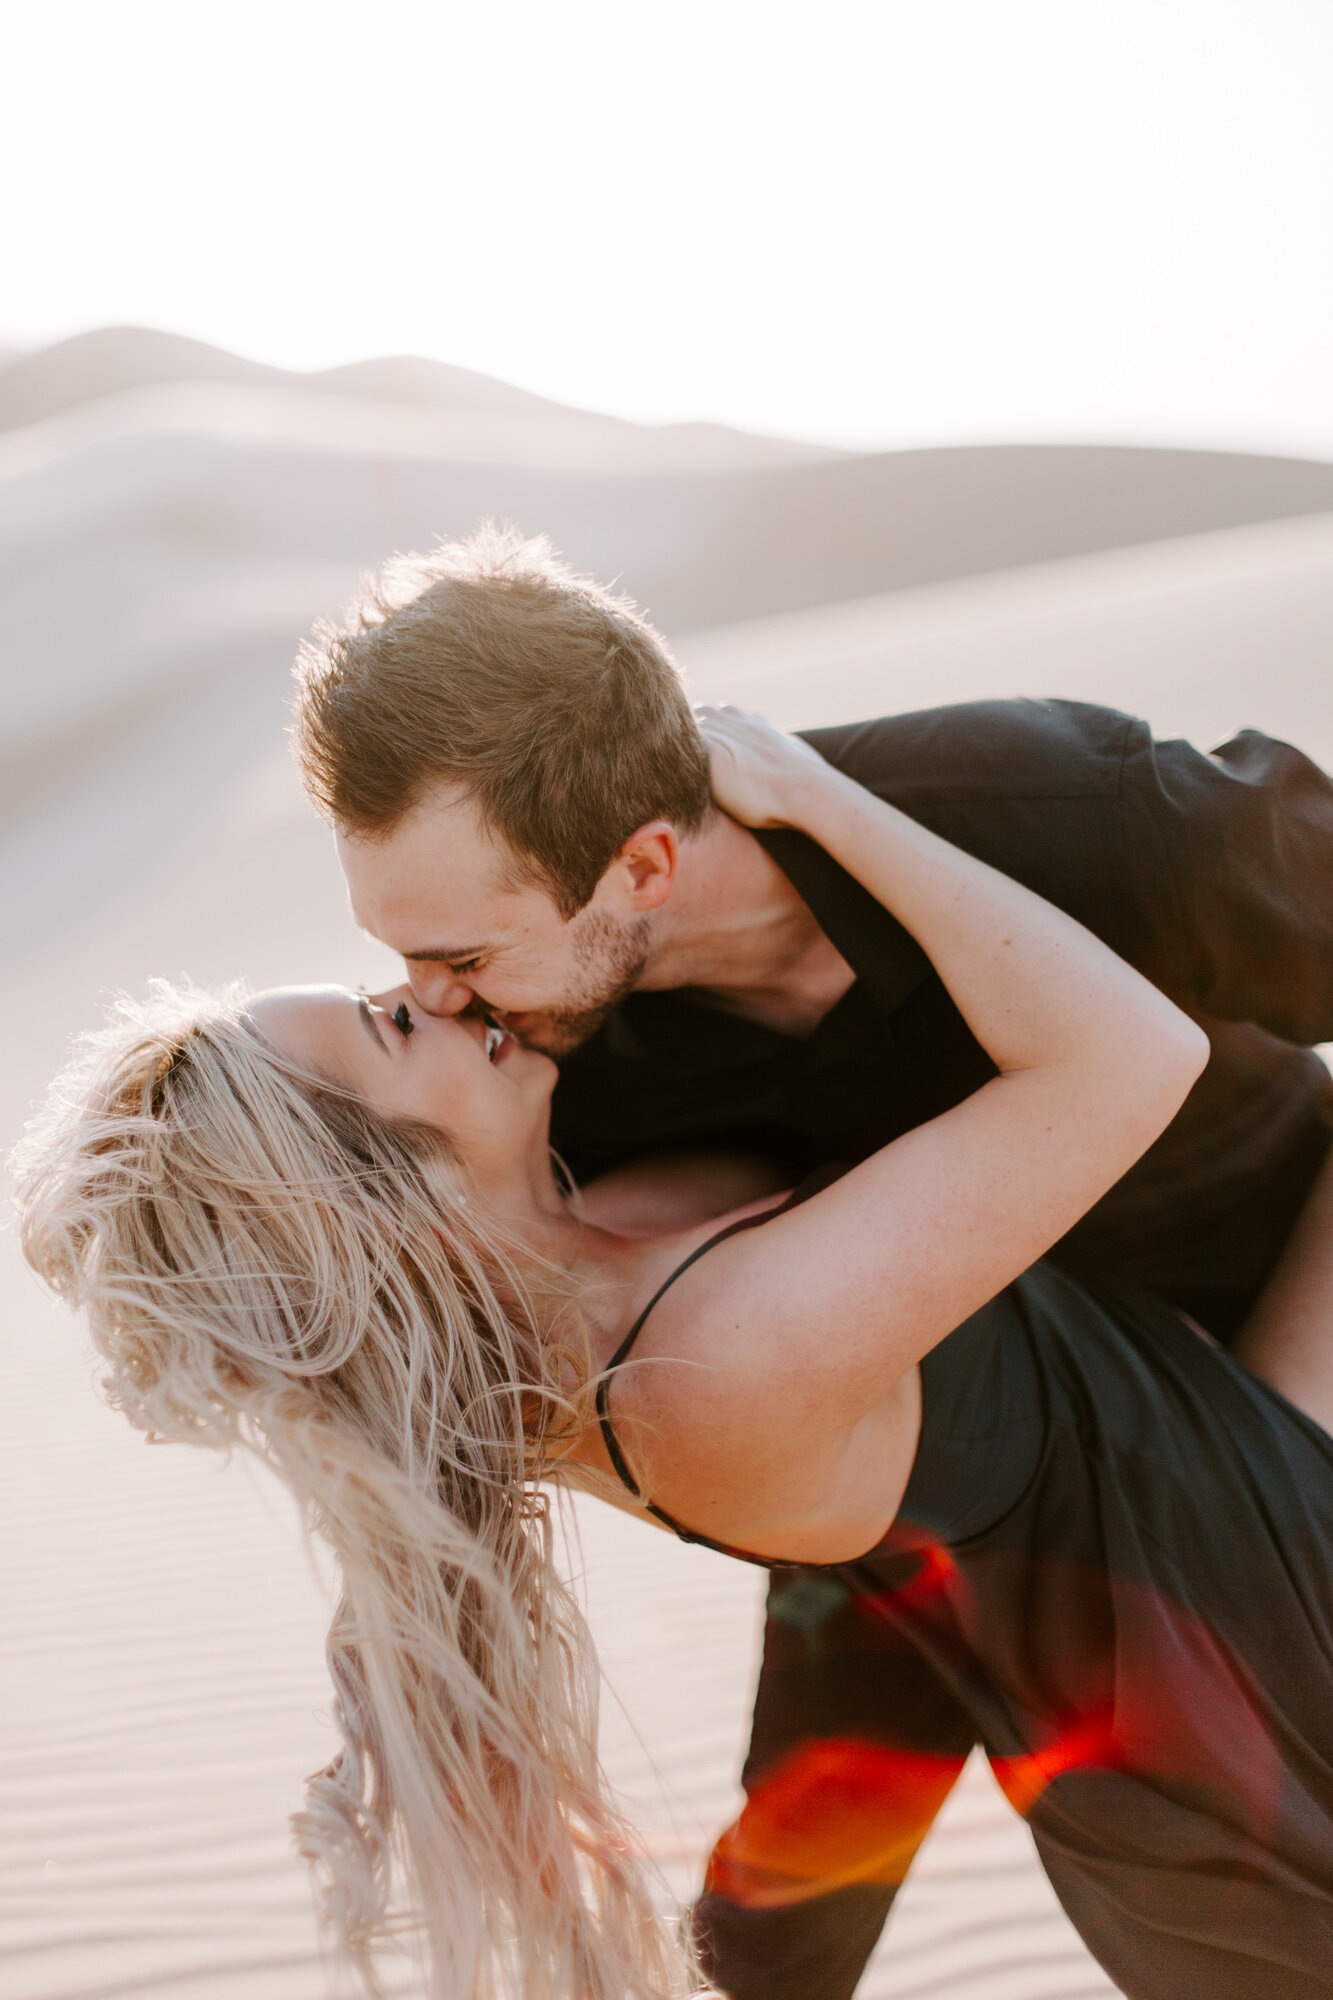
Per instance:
(609,959)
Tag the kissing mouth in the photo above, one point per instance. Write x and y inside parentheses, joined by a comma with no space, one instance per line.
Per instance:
(498,1042)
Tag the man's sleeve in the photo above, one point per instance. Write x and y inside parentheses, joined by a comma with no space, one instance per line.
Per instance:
(1233,857)
(1213,873)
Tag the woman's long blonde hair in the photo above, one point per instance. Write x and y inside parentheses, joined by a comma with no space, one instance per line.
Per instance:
(267,1262)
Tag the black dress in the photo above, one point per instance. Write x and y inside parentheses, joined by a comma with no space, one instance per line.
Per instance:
(1116,1549)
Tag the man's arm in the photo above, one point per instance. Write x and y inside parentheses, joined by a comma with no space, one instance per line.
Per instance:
(1212,873)
(1288,1338)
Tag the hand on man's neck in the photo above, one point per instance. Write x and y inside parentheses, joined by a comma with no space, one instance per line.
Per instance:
(738,934)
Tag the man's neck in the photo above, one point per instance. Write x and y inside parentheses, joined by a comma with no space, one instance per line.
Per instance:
(737,932)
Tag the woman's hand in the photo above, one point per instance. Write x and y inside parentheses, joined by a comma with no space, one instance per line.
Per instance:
(760,776)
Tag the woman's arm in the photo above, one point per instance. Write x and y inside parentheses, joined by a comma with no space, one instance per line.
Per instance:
(808,1328)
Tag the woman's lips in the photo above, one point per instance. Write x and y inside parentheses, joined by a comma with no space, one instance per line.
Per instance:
(499,1044)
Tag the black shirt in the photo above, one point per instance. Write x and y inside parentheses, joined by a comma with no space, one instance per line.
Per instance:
(1211,873)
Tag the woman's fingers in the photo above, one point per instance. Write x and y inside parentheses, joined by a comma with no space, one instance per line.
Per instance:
(755,768)
(736,763)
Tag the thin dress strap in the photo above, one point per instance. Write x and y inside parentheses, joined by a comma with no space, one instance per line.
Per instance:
(808,1187)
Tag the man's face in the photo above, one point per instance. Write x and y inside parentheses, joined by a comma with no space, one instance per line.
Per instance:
(443,893)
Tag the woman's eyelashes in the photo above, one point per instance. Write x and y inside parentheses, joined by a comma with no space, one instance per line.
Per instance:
(402,1020)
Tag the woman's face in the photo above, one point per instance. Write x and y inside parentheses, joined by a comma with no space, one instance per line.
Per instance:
(486,1092)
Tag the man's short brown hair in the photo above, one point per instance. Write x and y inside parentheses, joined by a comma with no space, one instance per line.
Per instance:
(489,664)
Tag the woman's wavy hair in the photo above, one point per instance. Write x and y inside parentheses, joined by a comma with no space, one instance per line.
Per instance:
(266,1262)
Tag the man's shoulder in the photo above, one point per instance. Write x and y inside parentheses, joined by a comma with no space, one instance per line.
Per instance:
(1019,747)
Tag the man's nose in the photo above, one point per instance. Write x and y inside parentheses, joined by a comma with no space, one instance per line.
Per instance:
(438,990)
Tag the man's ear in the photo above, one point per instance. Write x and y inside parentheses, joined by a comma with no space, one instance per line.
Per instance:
(650,858)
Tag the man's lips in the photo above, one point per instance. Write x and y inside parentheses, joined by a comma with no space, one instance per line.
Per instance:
(515,1024)
(522,1027)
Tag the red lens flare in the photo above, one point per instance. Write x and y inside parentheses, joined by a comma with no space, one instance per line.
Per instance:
(1129,1683)
(936,1575)
(1086,1743)
(832,1812)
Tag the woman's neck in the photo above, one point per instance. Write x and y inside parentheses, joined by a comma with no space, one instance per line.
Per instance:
(623,1236)
(617,1274)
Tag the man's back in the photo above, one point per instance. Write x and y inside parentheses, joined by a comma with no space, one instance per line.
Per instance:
(1213,874)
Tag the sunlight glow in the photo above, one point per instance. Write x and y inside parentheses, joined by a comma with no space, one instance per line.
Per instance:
(882,222)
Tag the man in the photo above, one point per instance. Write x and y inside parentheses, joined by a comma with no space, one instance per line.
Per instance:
(521,799)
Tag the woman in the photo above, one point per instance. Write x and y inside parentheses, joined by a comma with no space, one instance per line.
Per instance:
(328,1227)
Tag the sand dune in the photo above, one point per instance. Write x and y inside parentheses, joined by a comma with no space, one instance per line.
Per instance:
(142,503)
(112,359)
(168,526)
(132,378)
(1203,635)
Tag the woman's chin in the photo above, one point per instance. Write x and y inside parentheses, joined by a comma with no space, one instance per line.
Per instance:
(544,1069)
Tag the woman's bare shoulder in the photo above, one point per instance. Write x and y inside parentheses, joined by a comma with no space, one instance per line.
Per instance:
(736,1418)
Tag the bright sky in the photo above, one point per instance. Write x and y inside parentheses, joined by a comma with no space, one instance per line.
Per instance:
(891,221)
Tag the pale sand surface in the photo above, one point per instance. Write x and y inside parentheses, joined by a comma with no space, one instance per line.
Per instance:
(161,1681)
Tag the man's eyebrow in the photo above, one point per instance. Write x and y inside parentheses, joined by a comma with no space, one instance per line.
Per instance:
(433,953)
(368,1023)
